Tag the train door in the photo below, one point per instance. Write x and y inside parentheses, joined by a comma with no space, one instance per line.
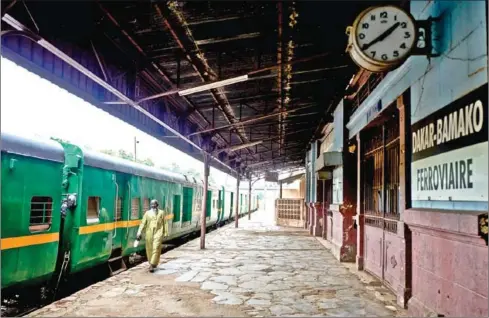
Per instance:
(133,214)
(118,238)
(177,208)
(231,201)
(208,204)
(96,218)
(188,194)
(220,206)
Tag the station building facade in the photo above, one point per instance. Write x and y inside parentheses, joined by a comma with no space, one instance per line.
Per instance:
(398,183)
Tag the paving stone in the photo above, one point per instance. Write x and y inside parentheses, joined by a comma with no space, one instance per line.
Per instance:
(238,290)
(340,313)
(379,296)
(286,301)
(305,307)
(207,285)
(230,271)
(391,308)
(131,292)
(200,277)
(227,301)
(248,277)
(262,296)
(279,310)
(258,268)
(228,280)
(173,265)
(257,301)
(166,271)
(187,276)
(285,293)
(266,279)
(253,284)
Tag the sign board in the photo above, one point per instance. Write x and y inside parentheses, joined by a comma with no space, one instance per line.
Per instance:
(324,175)
(271,176)
(450,151)
(333,158)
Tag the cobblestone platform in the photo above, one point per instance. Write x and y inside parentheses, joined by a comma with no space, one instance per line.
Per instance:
(257,270)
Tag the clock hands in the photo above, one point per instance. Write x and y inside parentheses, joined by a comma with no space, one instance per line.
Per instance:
(382,36)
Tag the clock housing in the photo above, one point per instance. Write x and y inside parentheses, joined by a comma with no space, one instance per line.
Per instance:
(381,38)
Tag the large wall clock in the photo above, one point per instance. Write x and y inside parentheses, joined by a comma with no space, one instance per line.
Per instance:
(381,38)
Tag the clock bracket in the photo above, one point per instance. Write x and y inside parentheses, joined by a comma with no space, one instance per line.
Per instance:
(424,42)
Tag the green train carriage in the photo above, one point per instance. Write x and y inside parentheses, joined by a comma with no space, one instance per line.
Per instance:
(65,206)
(31,190)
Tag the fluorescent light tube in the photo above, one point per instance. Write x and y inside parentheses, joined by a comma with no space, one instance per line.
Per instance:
(250,144)
(205,87)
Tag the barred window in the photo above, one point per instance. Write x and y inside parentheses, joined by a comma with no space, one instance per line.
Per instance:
(118,211)
(145,204)
(135,208)
(41,214)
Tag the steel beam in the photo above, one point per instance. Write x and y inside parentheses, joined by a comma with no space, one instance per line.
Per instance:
(247,121)
(158,70)
(26,32)
(219,98)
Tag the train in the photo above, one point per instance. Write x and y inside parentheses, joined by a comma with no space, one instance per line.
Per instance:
(66,209)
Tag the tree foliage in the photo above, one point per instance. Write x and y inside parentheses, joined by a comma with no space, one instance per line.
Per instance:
(125,155)
(147,162)
(190,172)
(108,152)
(121,153)
(60,140)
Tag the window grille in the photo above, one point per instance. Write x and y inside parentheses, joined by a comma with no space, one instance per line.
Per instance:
(381,169)
(135,202)
(41,213)
(118,211)
(145,204)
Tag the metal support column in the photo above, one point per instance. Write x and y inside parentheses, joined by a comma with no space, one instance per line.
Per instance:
(203,214)
(249,201)
(135,147)
(236,215)
(280,190)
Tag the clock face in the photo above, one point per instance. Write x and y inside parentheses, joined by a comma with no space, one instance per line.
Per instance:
(385,34)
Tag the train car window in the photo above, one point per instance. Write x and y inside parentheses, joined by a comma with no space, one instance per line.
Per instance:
(41,214)
(145,204)
(135,208)
(118,213)
(176,208)
(93,209)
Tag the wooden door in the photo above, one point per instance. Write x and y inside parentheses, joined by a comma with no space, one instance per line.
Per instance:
(380,166)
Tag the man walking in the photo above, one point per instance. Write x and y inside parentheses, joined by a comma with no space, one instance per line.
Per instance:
(154,225)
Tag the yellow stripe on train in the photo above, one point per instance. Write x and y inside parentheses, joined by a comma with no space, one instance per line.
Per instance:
(22,241)
(37,239)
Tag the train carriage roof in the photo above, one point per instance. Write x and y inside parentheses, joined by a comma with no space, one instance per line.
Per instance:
(108,162)
(43,148)
(32,146)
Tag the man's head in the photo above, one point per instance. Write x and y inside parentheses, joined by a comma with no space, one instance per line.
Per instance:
(154,204)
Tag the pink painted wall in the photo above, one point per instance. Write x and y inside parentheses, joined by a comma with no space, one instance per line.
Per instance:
(449,264)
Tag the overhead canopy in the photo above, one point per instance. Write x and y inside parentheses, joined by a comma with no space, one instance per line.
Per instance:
(289,58)
(292,176)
